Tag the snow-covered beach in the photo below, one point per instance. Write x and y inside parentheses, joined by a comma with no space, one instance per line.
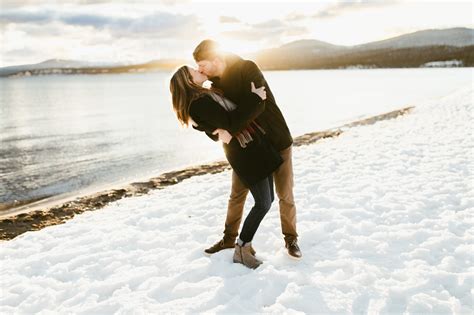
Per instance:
(385,217)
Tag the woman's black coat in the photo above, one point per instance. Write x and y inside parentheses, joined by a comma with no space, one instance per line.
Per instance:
(253,163)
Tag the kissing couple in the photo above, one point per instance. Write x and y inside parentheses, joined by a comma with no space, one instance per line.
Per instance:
(240,110)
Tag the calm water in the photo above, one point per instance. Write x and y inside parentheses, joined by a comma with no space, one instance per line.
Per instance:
(76,134)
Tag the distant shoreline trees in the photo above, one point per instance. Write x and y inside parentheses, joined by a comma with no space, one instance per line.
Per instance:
(413,57)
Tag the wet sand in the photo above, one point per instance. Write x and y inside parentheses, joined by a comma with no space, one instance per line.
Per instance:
(19,223)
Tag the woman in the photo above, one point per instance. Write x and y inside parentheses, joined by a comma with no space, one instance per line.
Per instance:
(248,152)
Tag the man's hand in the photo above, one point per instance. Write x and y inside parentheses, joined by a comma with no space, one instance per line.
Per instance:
(224,135)
(260,91)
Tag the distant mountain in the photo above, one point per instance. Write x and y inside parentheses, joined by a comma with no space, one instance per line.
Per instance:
(410,50)
(311,45)
(457,37)
(452,47)
(55,64)
(63,63)
(301,48)
(60,66)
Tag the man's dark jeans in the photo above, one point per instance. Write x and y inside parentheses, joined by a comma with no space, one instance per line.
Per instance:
(263,195)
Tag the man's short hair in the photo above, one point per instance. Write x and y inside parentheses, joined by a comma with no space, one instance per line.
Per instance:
(208,49)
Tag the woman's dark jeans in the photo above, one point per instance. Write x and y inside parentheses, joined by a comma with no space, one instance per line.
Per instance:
(263,195)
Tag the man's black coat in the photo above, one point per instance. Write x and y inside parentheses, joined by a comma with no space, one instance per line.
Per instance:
(235,83)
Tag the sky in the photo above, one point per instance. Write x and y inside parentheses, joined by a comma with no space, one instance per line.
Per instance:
(32,31)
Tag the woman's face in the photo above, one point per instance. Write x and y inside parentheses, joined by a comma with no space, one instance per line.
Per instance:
(198,77)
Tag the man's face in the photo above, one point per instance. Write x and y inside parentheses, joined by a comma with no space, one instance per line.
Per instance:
(207,68)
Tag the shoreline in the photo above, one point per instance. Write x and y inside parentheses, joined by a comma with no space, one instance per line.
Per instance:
(14,224)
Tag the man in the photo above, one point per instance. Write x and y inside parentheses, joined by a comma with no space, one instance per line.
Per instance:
(235,76)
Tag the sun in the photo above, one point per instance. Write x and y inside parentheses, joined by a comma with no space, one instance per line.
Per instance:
(237,46)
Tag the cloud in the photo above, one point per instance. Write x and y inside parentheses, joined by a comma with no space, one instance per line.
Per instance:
(292,17)
(269,31)
(163,25)
(21,52)
(84,34)
(340,8)
(343,7)
(20,16)
(296,31)
(171,2)
(157,24)
(87,2)
(138,2)
(4,4)
(96,21)
(271,24)
(228,19)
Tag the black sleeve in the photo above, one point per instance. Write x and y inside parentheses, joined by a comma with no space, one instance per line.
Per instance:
(213,137)
(209,134)
(209,115)
(251,105)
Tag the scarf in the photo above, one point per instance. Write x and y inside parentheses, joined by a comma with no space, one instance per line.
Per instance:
(245,136)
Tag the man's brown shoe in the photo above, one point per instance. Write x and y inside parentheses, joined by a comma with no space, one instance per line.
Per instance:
(222,244)
(293,248)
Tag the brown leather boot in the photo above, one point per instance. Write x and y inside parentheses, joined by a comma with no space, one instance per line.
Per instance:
(224,243)
(293,248)
(243,255)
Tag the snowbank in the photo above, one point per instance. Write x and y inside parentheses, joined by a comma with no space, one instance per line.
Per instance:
(385,216)
(445,64)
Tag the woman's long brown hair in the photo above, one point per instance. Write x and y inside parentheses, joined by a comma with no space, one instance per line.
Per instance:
(183,92)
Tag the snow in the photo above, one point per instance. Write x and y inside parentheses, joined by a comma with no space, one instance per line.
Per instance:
(385,217)
(447,64)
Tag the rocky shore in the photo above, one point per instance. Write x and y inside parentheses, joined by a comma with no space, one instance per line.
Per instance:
(20,223)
